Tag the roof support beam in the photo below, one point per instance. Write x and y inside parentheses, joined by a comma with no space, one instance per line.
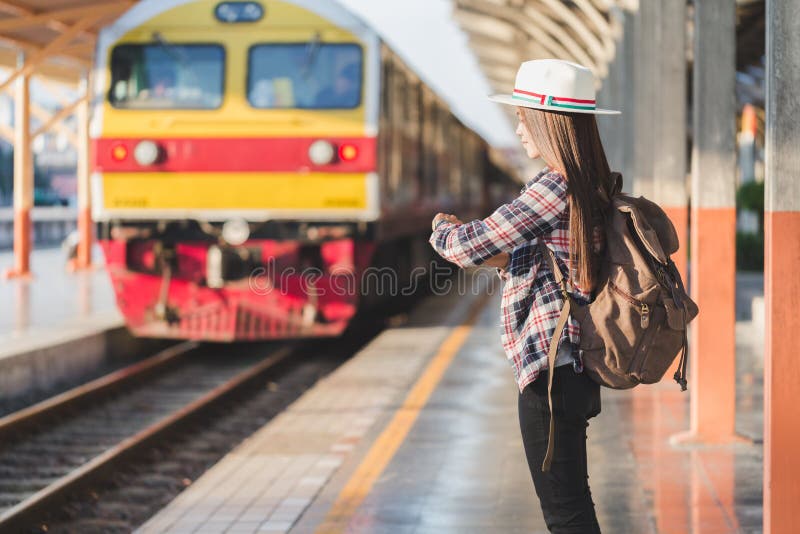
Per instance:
(55,90)
(52,24)
(44,116)
(491,48)
(59,116)
(79,50)
(12,7)
(7,133)
(593,45)
(54,45)
(502,72)
(605,33)
(58,72)
(30,20)
(561,41)
(538,26)
(23,44)
(477,21)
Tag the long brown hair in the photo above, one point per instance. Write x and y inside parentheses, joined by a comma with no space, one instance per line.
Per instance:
(570,144)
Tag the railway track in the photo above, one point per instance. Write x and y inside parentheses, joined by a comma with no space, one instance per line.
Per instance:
(54,448)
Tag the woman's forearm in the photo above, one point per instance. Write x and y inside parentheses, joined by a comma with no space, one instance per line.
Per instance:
(534,213)
(500,260)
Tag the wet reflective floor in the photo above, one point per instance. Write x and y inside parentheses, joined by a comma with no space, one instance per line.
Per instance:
(462,467)
(53,299)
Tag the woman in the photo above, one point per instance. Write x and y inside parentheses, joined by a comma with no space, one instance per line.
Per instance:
(562,208)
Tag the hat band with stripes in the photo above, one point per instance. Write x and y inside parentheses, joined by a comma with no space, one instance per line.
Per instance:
(555,101)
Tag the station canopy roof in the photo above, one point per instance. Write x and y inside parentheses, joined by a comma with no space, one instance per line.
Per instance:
(503,33)
(583,31)
(57,36)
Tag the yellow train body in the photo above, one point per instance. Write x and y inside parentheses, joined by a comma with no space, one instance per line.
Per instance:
(258,192)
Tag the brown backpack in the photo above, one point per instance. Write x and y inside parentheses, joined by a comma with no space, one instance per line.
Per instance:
(636,325)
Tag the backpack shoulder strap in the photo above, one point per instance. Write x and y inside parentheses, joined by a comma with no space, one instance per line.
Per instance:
(551,353)
(550,258)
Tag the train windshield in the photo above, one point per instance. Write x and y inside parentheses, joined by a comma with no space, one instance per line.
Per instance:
(167,76)
(309,75)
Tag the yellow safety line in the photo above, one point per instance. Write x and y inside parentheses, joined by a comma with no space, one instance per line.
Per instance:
(387,444)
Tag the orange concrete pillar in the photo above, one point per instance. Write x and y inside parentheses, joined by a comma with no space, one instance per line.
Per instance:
(84,254)
(23,176)
(782,257)
(712,359)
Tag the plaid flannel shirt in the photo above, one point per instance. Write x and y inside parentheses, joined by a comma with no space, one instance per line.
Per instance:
(531,302)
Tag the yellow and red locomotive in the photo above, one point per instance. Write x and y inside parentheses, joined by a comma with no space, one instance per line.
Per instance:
(252,159)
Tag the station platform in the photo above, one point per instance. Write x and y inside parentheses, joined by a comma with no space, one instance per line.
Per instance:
(418,433)
(53,303)
(57,328)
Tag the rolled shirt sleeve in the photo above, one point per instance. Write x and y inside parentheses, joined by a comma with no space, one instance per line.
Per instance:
(534,213)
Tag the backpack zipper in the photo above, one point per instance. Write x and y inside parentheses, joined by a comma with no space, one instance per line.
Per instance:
(643,307)
(645,316)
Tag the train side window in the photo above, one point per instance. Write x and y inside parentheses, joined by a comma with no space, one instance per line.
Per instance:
(385,136)
(398,159)
(386,91)
(417,141)
(454,151)
(433,147)
(309,75)
(167,76)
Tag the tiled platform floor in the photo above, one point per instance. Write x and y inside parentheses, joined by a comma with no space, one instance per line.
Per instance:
(461,468)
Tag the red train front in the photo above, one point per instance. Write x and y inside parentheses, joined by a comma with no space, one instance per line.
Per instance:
(253,160)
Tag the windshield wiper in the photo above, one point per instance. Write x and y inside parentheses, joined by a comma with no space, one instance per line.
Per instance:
(311,54)
(178,54)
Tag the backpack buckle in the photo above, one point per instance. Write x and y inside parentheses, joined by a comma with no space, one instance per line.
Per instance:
(577,362)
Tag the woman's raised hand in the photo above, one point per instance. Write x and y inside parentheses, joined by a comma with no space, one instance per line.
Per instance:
(447,216)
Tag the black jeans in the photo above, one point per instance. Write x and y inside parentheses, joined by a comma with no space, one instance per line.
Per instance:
(564,490)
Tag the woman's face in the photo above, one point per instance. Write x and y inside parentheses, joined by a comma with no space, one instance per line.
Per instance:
(525,137)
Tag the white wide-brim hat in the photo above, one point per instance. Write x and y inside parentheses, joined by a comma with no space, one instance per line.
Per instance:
(554,85)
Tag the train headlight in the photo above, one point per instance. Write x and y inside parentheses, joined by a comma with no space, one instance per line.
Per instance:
(146,153)
(235,231)
(321,152)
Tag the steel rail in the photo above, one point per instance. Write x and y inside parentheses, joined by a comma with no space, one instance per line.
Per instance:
(85,393)
(28,510)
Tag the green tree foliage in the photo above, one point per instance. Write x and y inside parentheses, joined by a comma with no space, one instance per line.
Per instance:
(749,246)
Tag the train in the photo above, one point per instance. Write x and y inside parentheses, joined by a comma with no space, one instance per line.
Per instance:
(252,160)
